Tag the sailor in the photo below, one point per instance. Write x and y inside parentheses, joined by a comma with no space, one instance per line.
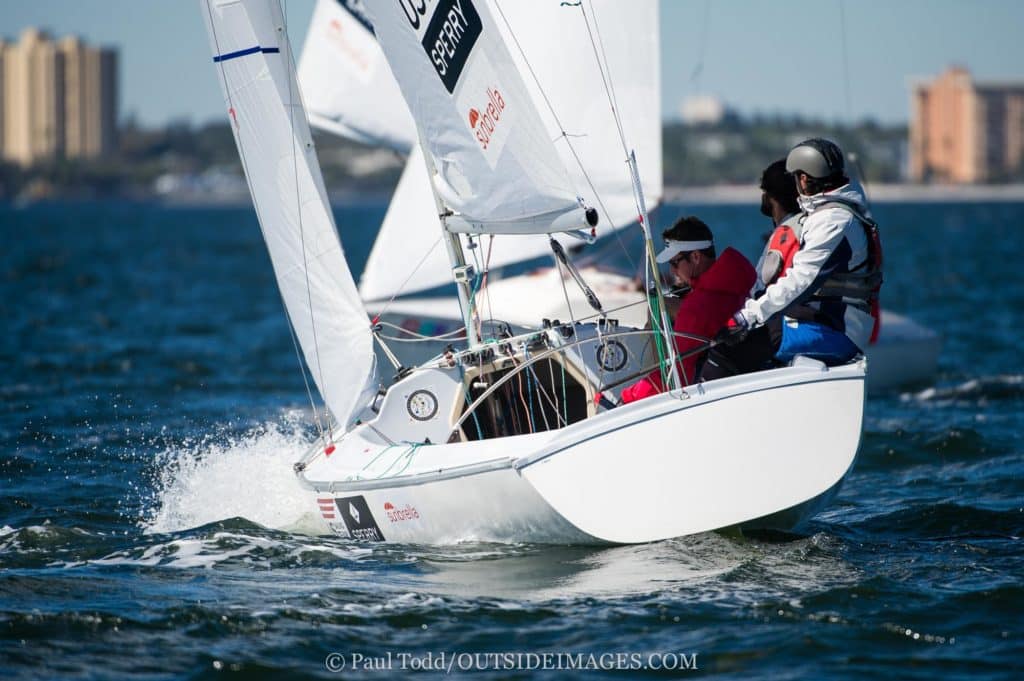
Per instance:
(828,293)
(718,287)
(778,202)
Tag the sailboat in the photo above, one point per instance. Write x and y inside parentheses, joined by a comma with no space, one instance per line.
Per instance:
(503,439)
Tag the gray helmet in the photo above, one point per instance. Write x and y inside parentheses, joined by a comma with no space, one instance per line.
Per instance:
(818,157)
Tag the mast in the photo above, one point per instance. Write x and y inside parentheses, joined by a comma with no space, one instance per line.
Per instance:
(461,272)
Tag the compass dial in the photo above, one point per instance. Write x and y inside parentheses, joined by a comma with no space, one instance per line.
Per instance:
(611,355)
(422,405)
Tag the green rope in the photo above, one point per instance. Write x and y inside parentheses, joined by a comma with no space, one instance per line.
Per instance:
(654,308)
(358,476)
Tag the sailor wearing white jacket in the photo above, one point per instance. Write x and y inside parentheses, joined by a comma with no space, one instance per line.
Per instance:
(825,296)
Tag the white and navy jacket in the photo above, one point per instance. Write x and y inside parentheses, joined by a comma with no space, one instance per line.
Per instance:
(833,241)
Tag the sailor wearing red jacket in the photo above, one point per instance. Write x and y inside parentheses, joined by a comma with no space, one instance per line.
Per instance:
(718,288)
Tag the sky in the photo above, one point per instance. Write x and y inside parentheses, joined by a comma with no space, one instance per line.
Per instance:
(767,56)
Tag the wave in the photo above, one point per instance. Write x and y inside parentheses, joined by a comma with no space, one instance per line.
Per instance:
(998,387)
(248,476)
(941,521)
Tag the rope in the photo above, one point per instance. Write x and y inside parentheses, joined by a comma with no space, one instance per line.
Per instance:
(529,392)
(469,401)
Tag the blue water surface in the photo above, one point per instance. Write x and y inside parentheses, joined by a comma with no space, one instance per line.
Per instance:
(150,525)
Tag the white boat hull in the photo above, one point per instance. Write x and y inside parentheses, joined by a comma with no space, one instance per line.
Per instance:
(668,466)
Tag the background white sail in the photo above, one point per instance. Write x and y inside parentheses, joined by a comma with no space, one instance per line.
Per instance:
(493,157)
(347,84)
(559,44)
(254,65)
(555,43)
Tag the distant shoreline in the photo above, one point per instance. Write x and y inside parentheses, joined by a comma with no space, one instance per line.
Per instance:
(882,193)
(708,195)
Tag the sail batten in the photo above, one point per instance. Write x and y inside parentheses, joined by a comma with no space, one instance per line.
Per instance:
(257,77)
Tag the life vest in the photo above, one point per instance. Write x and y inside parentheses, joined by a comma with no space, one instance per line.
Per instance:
(861,285)
(783,244)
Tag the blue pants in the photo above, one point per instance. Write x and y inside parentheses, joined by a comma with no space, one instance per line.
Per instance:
(815,340)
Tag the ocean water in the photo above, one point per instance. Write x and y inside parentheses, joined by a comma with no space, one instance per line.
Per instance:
(151,527)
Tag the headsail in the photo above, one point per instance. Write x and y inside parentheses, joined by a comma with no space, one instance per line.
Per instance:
(257,75)
(347,84)
(495,163)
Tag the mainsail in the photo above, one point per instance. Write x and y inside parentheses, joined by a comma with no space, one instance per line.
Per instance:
(347,84)
(551,41)
(494,163)
(256,72)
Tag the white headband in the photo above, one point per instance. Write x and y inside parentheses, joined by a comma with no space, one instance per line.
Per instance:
(673,248)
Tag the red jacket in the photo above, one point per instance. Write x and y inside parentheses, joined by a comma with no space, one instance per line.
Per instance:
(714,298)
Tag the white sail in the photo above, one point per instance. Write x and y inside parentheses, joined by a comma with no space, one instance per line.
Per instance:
(559,45)
(555,45)
(347,84)
(495,164)
(254,65)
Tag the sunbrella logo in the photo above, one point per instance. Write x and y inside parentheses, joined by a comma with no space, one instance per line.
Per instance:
(484,124)
(396,515)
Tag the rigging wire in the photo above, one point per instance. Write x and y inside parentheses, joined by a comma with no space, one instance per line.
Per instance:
(698,68)
(631,161)
(259,221)
(562,132)
(408,278)
(846,61)
(852,157)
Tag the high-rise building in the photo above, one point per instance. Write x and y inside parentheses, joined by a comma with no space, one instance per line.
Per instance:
(3,52)
(58,99)
(33,99)
(90,98)
(964,131)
